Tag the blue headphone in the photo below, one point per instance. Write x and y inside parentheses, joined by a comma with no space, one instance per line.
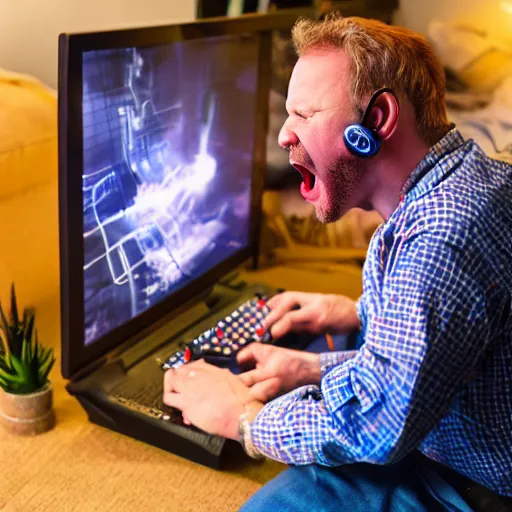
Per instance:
(362,141)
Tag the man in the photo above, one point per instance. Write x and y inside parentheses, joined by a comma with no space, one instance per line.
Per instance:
(431,379)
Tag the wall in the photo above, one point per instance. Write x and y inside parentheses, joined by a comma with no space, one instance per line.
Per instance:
(487,15)
(29,29)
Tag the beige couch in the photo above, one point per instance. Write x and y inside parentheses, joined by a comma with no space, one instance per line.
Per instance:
(29,198)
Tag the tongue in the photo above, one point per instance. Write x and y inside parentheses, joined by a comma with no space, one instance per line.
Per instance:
(307,177)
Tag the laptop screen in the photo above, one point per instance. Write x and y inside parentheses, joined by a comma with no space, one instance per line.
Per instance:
(162,161)
(167,166)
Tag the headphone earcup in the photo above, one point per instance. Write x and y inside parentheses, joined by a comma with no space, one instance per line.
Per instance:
(361,141)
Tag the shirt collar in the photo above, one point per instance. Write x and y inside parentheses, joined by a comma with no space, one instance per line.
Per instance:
(449,143)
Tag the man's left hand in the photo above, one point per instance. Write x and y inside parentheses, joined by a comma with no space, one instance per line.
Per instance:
(209,398)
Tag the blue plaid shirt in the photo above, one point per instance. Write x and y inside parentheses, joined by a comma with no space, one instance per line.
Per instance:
(434,366)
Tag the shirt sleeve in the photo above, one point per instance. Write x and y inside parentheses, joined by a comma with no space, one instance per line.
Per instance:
(428,329)
(328,360)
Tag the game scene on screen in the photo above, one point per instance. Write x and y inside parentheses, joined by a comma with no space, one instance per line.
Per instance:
(167,168)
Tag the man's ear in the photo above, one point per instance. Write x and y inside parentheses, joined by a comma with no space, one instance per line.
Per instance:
(383,117)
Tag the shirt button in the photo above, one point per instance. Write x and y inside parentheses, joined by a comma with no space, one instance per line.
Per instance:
(357,387)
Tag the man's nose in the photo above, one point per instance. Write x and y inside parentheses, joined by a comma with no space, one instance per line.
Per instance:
(287,137)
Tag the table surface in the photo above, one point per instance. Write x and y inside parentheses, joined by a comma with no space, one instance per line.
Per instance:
(79,466)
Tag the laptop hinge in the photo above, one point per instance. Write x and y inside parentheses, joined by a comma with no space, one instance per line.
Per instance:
(88,370)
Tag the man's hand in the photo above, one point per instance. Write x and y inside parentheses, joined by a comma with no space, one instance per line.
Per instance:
(310,312)
(210,398)
(278,370)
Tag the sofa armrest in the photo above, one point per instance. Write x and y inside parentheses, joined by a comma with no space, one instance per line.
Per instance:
(28,134)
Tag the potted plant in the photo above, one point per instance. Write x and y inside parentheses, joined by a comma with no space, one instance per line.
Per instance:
(26,404)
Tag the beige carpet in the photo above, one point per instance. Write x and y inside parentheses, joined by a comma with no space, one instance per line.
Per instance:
(82,467)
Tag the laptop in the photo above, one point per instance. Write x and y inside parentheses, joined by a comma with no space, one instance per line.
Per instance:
(161,162)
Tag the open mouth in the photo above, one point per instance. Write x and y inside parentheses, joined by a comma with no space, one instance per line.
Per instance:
(308,177)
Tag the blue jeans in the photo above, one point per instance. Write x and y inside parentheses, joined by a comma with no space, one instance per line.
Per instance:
(407,485)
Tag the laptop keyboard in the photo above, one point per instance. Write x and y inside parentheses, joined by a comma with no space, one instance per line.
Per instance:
(145,396)
(227,337)
(223,341)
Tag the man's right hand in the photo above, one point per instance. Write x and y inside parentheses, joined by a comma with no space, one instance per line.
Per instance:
(277,370)
(315,313)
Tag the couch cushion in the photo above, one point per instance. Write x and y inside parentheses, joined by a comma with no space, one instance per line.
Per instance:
(28,133)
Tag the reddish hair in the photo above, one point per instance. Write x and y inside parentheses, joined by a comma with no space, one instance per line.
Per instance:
(383,56)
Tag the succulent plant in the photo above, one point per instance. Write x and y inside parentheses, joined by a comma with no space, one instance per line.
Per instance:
(24,363)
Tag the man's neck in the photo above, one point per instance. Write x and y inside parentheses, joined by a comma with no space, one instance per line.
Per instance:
(393,169)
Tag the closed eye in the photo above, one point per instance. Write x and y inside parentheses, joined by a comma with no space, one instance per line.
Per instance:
(302,115)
